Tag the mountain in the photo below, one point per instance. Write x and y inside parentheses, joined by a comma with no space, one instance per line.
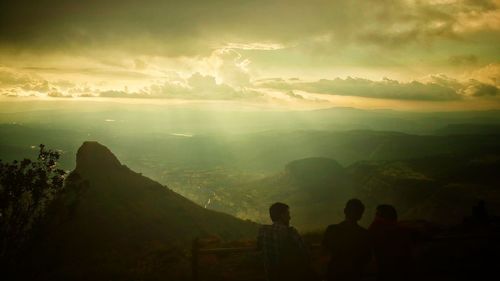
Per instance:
(440,189)
(162,152)
(391,182)
(469,129)
(115,224)
(314,170)
(315,188)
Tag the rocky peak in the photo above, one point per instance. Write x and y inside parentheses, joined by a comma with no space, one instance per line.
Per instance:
(92,156)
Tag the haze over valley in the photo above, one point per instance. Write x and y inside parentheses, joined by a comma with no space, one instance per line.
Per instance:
(239,162)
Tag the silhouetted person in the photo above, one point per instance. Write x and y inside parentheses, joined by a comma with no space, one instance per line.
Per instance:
(348,245)
(286,257)
(392,245)
(479,213)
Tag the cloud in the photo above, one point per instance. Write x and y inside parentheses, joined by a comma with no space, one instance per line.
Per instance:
(197,86)
(477,89)
(138,43)
(64,84)
(232,86)
(11,93)
(37,86)
(433,88)
(58,95)
(11,79)
(385,89)
(229,79)
(120,94)
(489,74)
(25,83)
(232,68)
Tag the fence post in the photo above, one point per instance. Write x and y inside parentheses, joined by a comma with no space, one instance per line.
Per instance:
(194,259)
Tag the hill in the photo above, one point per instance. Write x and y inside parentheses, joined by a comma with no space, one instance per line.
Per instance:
(115,224)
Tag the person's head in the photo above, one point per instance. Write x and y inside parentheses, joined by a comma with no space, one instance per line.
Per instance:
(481,203)
(387,212)
(280,212)
(354,209)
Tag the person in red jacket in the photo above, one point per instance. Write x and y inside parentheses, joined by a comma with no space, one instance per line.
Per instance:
(392,245)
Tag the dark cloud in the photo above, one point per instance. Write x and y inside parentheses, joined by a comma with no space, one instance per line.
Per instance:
(271,79)
(463,60)
(195,27)
(10,95)
(292,94)
(103,72)
(486,5)
(415,34)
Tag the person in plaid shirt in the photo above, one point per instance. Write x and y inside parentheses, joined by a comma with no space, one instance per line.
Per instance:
(285,255)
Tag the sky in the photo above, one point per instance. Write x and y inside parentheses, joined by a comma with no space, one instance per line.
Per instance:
(399,54)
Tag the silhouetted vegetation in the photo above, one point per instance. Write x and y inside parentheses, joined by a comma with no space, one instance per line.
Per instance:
(26,189)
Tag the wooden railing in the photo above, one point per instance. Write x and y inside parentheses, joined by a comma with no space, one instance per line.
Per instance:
(197,251)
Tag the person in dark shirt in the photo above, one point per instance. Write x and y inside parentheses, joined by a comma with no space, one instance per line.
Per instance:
(285,255)
(348,245)
(480,213)
(392,244)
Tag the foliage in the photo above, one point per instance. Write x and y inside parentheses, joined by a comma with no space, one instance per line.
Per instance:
(26,189)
